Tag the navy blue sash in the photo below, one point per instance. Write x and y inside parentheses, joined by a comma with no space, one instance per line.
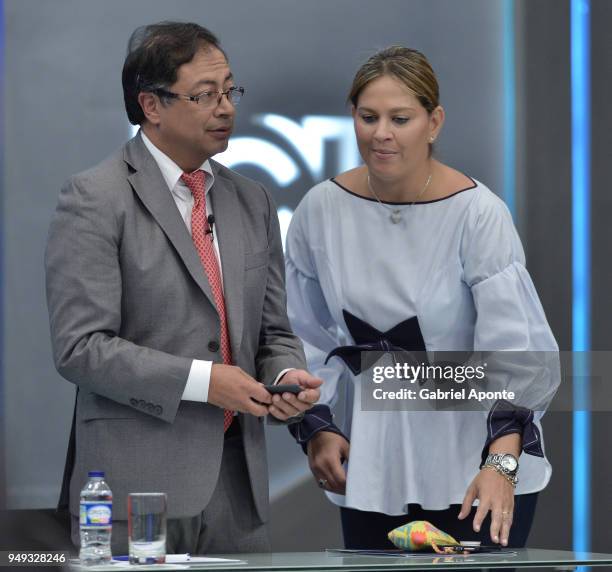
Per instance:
(369,342)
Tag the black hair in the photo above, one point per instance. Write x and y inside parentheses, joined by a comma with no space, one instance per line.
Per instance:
(155,53)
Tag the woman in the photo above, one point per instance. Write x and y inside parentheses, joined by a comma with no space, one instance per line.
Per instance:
(405,243)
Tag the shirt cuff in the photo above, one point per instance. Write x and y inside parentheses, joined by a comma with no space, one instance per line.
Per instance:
(280,375)
(318,418)
(505,418)
(198,381)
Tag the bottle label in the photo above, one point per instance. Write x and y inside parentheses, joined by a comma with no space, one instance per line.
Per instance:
(96,513)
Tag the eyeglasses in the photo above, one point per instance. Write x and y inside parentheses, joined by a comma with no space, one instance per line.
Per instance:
(207,98)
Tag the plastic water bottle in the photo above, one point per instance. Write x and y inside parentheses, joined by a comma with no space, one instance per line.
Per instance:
(95,521)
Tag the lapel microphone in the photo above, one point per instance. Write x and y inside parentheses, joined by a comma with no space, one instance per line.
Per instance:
(211,222)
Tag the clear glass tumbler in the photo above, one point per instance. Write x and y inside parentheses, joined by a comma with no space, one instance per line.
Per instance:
(147,528)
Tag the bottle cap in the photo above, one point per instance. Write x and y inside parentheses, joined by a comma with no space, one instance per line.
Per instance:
(96,474)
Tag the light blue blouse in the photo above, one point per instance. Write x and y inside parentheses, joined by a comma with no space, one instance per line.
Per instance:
(456,263)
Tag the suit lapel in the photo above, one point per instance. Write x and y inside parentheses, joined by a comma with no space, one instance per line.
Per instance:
(150,186)
(229,234)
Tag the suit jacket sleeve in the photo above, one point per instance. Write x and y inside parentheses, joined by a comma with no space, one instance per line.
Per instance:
(279,348)
(84,296)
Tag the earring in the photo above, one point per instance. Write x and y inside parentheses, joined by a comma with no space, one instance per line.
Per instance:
(432,139)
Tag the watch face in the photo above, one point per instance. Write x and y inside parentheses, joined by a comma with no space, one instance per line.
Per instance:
(509,463)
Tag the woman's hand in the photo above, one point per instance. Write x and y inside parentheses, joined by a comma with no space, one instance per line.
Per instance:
(326,453)
(496,494)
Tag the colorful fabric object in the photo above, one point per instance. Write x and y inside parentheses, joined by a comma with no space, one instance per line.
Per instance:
(419,535)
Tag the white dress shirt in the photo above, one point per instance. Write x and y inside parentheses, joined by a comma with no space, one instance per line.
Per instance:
(198,381)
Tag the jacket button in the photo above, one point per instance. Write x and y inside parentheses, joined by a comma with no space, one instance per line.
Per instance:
(158,410)
(213,346)
(133,402)
(150,407)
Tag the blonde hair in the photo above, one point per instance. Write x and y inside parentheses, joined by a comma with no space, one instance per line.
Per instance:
(404,64)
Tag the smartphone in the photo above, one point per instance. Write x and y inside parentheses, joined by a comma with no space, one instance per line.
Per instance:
(295,389)
(469,548)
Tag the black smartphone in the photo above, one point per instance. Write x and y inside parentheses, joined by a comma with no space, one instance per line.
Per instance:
(295,389)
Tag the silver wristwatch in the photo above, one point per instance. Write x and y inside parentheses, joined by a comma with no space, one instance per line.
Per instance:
(504,463)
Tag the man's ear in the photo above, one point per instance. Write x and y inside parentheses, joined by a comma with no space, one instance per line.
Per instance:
(150,104)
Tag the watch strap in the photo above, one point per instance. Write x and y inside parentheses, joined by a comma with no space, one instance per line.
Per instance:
(512,479)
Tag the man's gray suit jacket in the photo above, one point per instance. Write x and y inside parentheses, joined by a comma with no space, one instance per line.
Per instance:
(130,307)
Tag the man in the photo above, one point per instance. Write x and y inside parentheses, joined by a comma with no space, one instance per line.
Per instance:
(165,315)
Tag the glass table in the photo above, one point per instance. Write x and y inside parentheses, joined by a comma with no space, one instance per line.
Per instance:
(338,561)
(330,560)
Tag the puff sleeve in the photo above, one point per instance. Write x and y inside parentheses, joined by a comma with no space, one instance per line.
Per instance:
(510,321)
(311,320)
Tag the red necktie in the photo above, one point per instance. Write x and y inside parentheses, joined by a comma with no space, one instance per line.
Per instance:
(204,245)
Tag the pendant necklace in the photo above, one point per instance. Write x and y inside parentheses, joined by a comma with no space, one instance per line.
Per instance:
(396,213)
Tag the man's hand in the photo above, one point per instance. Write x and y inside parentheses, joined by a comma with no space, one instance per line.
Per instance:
(231,388)
(326,453)
(496,494)
(287,405)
